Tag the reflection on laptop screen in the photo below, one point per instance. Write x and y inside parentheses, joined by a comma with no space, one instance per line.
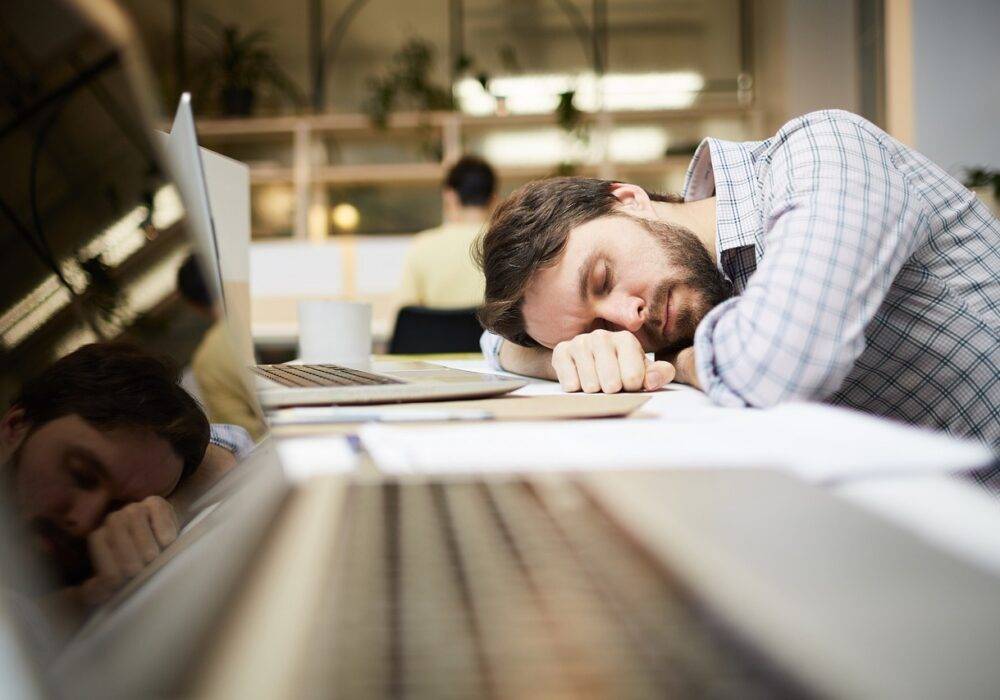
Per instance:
(94,334)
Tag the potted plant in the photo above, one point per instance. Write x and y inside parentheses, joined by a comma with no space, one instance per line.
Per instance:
(986,184)
(406,83)
(239,65)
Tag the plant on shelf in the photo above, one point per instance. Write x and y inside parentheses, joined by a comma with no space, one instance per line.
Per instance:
(239,66)
(406,84)
(983,177)
(985,183)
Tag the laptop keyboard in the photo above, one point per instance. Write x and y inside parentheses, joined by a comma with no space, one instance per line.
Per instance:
(321,375)
(502,591)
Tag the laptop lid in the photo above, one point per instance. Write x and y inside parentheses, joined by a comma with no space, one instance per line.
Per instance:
(93,231)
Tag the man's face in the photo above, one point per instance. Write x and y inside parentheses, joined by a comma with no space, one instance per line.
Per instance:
(68,475)
(621,273)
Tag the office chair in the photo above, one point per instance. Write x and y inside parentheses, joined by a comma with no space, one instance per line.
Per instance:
(421,330)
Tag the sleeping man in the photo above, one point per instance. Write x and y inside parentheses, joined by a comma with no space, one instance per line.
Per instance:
(828,262)
(94,450)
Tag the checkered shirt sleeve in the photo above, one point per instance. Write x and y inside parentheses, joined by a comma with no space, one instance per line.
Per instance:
(840,222)
(233,438)
(489,343)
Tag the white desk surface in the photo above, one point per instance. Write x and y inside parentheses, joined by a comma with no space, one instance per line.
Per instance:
(945,509)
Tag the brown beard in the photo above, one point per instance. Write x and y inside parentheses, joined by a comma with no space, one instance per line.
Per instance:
(70,563)
(685,251)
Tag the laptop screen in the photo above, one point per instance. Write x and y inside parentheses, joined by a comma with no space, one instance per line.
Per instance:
(114,360)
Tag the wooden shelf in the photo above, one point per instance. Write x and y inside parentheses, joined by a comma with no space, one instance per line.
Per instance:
(328,123)
(302,134)
(411,173)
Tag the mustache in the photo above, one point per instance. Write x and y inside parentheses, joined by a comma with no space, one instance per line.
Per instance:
(71,558)
(657,306)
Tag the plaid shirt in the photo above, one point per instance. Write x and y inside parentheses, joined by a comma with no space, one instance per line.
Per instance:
(233,438)
(866,277)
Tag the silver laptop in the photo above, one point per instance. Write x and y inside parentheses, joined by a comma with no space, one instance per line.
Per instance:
(698,583)
(310,384)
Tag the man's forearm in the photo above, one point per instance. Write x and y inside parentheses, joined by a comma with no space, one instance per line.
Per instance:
(532,362)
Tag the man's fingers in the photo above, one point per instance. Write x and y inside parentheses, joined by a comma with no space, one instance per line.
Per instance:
(163,519)
(562,363)
(608,372)
(141,531)
(130,538)
(127,556)
(103,557)
(586,370)
(658,374)
(631,362)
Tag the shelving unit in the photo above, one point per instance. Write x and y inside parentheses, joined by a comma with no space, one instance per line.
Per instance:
(308,178)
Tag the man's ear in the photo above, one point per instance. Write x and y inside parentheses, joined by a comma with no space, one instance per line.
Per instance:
(633,199)
(14,427)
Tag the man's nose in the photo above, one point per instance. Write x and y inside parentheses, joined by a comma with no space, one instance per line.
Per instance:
(86,512)
(625,312)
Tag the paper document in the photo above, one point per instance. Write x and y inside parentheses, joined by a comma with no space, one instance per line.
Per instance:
(820,443)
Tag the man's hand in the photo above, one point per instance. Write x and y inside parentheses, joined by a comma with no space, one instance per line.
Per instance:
(607,361)
(125,543)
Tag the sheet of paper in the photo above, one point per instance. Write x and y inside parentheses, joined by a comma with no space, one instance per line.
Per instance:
(303,457)
(818,442)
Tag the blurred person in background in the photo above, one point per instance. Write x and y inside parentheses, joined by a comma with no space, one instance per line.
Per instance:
(100,454)
(829,263)
(214,364)
(439,271)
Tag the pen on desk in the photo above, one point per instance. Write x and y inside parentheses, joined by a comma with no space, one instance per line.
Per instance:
(335,415)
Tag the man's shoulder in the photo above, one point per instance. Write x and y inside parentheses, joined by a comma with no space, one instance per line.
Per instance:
(445,236)
(427,236)
(825,132)
(828,121)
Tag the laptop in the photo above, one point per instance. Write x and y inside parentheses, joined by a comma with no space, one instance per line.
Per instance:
(693,583)
(311,384)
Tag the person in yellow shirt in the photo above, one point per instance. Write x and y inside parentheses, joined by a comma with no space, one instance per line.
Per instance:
(439,271)
(223,388)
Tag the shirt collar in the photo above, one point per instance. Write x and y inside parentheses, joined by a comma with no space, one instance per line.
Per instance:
(727,169)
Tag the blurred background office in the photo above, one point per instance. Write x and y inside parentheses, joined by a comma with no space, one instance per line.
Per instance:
(350,112)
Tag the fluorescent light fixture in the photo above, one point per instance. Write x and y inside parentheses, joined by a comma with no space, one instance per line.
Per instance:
(539,93)
(113,246)
(167,207)
(546,146)
(550,146)
(14,331)
(154,285)
(637,144)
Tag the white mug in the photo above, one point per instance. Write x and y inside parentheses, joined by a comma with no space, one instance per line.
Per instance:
(338,332)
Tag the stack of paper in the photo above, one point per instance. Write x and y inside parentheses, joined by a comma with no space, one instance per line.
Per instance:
(818,442)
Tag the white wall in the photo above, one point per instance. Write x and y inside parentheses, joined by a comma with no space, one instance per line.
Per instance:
(956,63)
(806,58)
(822,56)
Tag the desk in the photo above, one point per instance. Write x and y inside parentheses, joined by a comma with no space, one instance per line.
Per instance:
(947,510)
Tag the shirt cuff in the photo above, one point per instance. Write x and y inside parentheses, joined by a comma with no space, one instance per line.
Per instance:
(706,366)
(233,438)
(490,345)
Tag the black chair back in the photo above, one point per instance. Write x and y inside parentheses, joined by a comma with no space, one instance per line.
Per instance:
(421,330)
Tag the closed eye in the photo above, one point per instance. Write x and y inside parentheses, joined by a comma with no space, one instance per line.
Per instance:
(606,281)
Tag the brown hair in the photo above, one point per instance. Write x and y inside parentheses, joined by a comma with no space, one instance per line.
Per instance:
(112,385)
(528,232)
